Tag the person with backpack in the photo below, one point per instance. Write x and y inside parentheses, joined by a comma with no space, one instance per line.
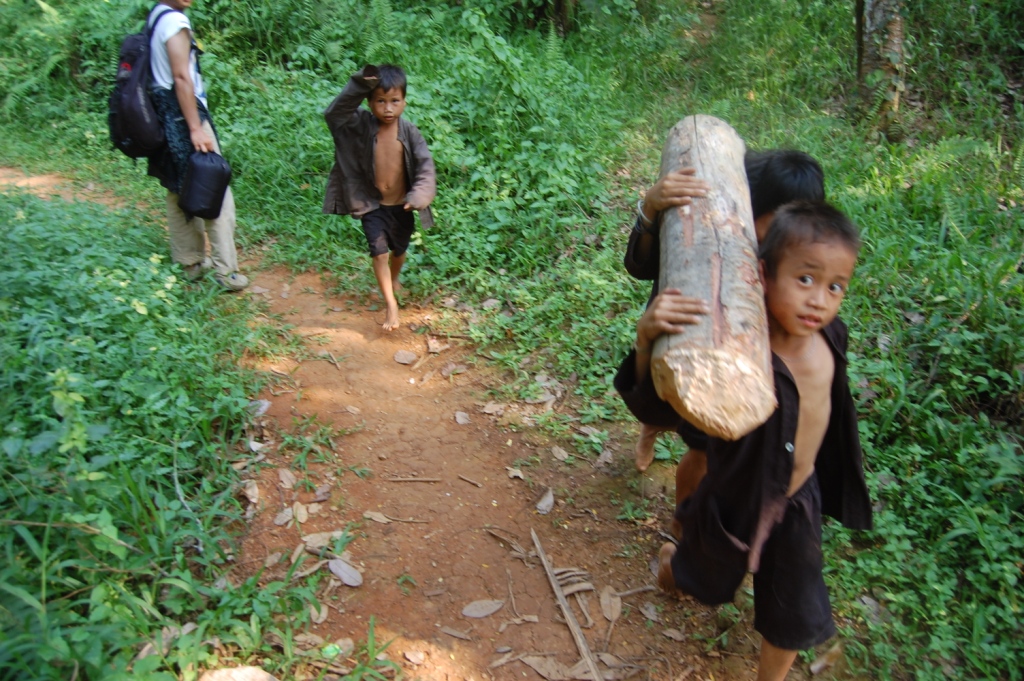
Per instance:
(179,98)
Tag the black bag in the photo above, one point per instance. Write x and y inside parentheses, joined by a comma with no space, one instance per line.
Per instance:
(206,181)
(134,126)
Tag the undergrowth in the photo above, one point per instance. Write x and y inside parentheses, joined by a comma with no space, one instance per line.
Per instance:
(121,398)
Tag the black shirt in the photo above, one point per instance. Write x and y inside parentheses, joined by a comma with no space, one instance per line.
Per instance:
(747,479)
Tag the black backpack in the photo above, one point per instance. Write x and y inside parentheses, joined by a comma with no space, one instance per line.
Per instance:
(134,126)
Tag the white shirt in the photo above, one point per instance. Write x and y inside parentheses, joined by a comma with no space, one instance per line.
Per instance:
(160,64)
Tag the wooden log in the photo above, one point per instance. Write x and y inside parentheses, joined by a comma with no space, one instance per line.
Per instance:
(717,374)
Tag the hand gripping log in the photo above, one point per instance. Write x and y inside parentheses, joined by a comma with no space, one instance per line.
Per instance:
(717,374)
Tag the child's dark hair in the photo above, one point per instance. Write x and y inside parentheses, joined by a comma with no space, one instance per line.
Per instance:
(391,77)
(779,176)
(803,222)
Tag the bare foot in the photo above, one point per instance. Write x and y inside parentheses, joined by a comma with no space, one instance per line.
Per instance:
(665,579)
(396,286)
(644,452)
(391,319)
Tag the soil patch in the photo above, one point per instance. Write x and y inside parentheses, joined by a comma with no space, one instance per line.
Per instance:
(55,186)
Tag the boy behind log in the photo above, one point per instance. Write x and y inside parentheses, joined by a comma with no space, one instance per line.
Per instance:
(382,171)
(759,507)
(775,177)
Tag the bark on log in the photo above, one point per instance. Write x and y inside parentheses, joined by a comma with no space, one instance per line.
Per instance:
(717,374)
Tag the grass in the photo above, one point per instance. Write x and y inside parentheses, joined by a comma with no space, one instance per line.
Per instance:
(542,142)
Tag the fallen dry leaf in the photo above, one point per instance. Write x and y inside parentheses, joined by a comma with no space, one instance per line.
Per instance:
(299,512)
(352,410)
(452,369)
(314,508)
(514,473)
(493,409)
(506,657)
(650,611)
(464,635)
(416,657)
(461,418)
(319,540)
(323,492)
(259,407)
(547,502)
(346,645)
(273,559)
(674,634)
(548,667)
(317,612)
(376,517)
(307,639)
(485,608)
(405,357)
(286,477)
(251,491)
(348,575)
(283,518)
(611,604)
(559,453)
(255,446)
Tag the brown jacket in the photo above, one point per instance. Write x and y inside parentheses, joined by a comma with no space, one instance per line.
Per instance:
(350,187)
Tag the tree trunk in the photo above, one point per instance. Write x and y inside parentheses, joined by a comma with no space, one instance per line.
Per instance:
(881,63)
(717,374)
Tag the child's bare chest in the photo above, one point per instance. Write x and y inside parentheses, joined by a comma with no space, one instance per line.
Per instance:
(813,375)
(389,168)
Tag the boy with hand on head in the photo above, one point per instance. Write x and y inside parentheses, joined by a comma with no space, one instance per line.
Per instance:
(382,171)
(775,177)
(760,505)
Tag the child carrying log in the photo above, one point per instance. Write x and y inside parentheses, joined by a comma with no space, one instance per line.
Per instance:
(775,177)
(759,507)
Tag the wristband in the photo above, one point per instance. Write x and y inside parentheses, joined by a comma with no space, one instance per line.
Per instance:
(641,218)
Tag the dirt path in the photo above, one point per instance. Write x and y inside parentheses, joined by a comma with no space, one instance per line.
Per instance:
(400,421)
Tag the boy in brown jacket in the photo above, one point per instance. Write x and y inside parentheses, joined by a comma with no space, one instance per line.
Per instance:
(382,171)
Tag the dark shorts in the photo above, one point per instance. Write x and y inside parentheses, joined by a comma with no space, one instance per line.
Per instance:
(388,228)
(791,604)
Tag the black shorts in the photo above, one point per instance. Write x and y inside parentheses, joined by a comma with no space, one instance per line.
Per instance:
(388,228)
(791,604)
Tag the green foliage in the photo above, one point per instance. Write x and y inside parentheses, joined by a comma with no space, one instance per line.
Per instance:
(525,125)
(119,397)
(966,63)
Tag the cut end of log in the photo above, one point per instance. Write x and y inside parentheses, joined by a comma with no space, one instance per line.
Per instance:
(723,394)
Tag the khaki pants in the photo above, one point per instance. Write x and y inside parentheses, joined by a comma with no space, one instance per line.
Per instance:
(188,237)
